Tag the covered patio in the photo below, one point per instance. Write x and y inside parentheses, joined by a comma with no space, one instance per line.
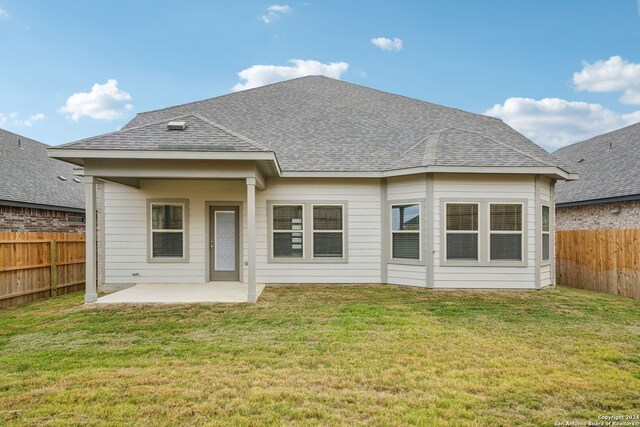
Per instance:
(180,293)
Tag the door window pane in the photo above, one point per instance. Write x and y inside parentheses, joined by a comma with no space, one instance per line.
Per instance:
(225,243)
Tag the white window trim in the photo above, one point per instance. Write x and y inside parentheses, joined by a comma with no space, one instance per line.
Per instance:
(313,231)
(484,237)
(459,261)
(409,261)
(301,231)
(521,233)
(184,230)
(307,220)
(547,261)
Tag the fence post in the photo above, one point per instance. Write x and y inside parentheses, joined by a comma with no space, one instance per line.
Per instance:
(54,268)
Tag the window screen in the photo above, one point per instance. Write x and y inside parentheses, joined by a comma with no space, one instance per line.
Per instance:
(462,217)
(507,247)
(327,231)
(546,227)
(462,231)
(288,231)
(505,238)
(545,246)
(405,231)
(462,246)
(167,230)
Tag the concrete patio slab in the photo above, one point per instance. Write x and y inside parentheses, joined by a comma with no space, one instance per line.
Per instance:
(181,293)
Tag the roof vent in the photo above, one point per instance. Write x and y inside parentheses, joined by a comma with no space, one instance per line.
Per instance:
(610,145)
(62,178)
(580,160)
(176,125)
(77,180)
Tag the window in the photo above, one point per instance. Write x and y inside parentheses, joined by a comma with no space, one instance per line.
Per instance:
(288,231)
(462,231)
(405,231)
(327,231)
(546,245)
(167,230)
(505,232)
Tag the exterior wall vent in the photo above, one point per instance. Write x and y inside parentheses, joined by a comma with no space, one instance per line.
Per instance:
(176,125)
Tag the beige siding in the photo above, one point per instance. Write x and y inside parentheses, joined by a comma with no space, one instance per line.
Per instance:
(400,189)
(494,188)
(125,233)
(364,236)
(126,229)
(545,198)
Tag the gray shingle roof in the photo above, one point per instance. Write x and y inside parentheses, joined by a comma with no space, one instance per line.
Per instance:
(316,123)
(200,134)
(28,175)
(611,166)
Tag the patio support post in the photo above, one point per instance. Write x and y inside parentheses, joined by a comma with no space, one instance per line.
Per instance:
(90,294)
(251,239)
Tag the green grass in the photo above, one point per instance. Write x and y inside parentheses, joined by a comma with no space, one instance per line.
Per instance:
(322,355)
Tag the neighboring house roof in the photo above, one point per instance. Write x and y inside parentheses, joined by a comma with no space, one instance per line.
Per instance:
(608,165)
(318,124)
(28,177)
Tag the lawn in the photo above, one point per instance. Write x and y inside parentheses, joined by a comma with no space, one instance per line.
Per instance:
(322,355)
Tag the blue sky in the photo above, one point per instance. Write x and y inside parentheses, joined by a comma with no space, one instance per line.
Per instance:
(558,71)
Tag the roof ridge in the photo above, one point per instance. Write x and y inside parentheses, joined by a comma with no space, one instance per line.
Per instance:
(412,146)
(431,150)
(319,76)
(225,95)
(517,150)
(596,137)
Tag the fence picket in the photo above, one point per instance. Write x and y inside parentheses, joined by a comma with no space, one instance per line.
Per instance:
(599,260)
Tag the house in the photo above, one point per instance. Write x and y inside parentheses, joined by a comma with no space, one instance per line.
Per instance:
(316,180)
(607,196)
(37,193)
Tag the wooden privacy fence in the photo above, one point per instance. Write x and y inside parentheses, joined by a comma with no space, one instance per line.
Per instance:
(40,265)
(599,260)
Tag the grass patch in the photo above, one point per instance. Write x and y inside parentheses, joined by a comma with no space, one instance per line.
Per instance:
(324,355)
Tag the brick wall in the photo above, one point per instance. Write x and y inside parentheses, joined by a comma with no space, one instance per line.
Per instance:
(39,220)
(592,217)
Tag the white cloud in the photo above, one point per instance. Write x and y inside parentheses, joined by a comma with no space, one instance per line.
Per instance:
(260,75)
(14,117)
(387,44)
(274,12)
(555,122)
(613,75)
(104,102)
(4,13)
(38,117)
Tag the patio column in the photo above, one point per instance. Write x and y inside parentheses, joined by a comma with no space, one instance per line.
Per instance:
(90,294)
(251,239)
